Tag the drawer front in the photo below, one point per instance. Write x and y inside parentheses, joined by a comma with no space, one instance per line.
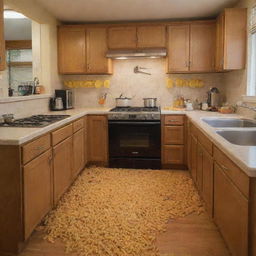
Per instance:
(240,179)
(61,134)
(78,124)
(173,120)
(205,142)
(173,154)
(35,148)
(173,135)
(193,130)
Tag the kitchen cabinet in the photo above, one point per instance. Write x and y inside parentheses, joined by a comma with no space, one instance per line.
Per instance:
(230,212)
(199,167)
(62,166)
(193,153)
(231,39)
(98,139)
(151,36)
(85,141)
(122,37)
(78,152)
(37,191)
(2,41)
(173,145)
(82,50)
(191,47)
(72,50)
(178,48)
(97,63)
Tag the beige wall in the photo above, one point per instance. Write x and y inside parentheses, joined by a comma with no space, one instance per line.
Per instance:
(125,81)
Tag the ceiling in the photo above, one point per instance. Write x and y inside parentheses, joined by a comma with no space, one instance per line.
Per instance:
(127,10)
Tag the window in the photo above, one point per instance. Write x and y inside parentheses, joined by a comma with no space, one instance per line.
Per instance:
(251,90)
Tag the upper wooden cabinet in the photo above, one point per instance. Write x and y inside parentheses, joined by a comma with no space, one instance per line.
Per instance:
(231,39)
(2,43)
(191,47)
(122,38)
(151,36)
(132,37)
(82,50)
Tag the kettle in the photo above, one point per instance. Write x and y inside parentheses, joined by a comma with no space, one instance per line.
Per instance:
(213,99)
(56,104)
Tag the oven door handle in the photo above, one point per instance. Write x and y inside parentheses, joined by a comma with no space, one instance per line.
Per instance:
(135,123)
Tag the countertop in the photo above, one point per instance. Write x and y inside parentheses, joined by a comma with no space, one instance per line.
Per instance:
(243,156)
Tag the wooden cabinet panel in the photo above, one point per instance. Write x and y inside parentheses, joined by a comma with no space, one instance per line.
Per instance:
(37,191)
(2,41)
(205,142)
(202,47)
(178,48)
(72,50)
(173,154)
(96,51)
(62,167)
(78,124)
(122,37)
(173,120)
(151,36)
(78,152)
(61,134)
(219,62)
(207,181)
(240,179)
(97,139)
(35,148)
(85,141)
(230,213)
(173,135)
(193,153)
(199,167)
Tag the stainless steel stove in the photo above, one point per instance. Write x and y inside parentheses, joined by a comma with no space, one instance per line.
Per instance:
(134,138)
(35,121)
(134,113)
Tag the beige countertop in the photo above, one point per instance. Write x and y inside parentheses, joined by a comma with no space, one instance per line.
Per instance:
(243,156)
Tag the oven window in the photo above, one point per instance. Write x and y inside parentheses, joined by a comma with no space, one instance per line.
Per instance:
(136,140)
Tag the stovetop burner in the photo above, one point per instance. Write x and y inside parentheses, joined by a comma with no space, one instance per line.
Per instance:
(134,109)
(35,121)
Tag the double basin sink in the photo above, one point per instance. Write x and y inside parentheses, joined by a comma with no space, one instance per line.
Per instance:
(242,137)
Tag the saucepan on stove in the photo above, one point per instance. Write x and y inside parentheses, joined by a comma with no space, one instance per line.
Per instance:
(150,102)
(123,101)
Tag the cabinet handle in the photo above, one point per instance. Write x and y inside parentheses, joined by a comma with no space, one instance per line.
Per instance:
(39,148)
(224,167)
(50,160)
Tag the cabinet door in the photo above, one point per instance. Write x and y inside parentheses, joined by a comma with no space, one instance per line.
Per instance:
(202,47)
(199,167)
(173,135)
(62,167)
(85,141)
(219,43)
(98,139)
(122,38)
(207,184)
(230,213)
(193,153)
(151,36)
(78,152)
(97,63)
(2,42)
(37,191)
(173,154)
(178,48)
(72,50)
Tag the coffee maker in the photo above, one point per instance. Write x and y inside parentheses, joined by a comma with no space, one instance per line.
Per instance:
(213,99)
(64,96)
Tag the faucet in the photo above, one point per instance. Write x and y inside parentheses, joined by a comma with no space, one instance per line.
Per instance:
(244,105)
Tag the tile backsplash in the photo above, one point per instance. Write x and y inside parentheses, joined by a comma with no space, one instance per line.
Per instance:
(139,86)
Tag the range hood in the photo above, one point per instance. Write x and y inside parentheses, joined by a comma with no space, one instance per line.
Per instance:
(138,53)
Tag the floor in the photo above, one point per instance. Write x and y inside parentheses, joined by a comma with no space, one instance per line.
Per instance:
(189,236)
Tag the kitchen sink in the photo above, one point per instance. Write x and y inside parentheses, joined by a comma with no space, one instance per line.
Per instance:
(229,122)
(242,138)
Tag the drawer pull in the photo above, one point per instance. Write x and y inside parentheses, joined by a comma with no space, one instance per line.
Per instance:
(39,148)
(224,167)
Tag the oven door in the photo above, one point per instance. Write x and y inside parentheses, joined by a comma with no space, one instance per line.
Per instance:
(135,139)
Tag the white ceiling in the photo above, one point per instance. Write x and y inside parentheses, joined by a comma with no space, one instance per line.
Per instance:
(127,10)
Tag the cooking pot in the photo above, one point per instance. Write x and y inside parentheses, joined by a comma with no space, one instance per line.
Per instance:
(123,101)
(150,102)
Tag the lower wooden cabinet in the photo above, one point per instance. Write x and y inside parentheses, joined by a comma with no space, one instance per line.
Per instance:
(98,139)
(173,154)
(174,135)
(193,152)
(199,167)
(63,165)
(230,213)
(78,152)
(37,191)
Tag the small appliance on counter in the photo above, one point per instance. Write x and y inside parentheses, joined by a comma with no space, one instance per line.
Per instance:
(213,99)
(63,100)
